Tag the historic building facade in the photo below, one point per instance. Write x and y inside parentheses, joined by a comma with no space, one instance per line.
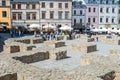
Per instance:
(118,7)
(5,18)
(25,12)
(55,12)
(92,15)
(78,14)
(104,12)
(43,12)
(108,11)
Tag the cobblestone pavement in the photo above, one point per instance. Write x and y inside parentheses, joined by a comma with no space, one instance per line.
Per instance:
(73,60)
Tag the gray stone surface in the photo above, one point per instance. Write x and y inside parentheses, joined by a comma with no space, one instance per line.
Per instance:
(98,65)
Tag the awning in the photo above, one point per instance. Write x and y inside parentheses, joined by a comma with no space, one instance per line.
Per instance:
(18,24)
(3,22)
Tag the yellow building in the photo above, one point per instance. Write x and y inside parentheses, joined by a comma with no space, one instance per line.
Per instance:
(5,19)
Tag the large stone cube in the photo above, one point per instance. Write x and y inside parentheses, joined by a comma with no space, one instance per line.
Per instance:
(11,48)
(88,47)
(58,53)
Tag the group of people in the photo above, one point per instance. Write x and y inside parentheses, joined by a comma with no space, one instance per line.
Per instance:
(16,33)
(48,36)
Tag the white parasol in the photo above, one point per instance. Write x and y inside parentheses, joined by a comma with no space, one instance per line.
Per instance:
(35,26)
(65,28)
(49,27)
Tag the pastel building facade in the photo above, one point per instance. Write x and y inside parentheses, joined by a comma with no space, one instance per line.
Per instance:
(118,14)
(78,14)
(56,12)
(108,16)
(25,12)
(5,17)
(92,15)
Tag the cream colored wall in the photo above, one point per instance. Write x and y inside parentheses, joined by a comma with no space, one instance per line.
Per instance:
(5,19)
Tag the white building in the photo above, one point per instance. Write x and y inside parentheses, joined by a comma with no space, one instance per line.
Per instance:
(55,12)
(108,16)
(107,12)
(25,12)
(78,14)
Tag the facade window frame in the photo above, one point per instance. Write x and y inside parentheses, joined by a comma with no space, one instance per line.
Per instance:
(51,5)
(60,15)
(4,14)
(33,6)
(66,5)
(43,14)
(13,6)
(43,4)
(60,5)
(94,9)
(19,6)
(19,16)
(3,3)
(89,9)
(51,14)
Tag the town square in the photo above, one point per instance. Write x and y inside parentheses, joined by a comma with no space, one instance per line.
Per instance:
(59,39)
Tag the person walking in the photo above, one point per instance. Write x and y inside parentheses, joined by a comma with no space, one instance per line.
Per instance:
(97,37)
(19,33)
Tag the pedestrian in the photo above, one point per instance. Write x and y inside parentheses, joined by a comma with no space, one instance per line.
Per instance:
(97,37)
(35,34)
(19,32)
(41,33)
(11,33)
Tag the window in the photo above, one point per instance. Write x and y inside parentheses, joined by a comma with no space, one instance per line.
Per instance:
(43,4)
(66,5)
(28,16)
(107,10)
(33,16)
(14,16)
(89,20)
(113,10)
(101,10)
(112,20)
(89,9)
(60,5)
(80,12)
(107,2)
(66,14)
(51,14)
(94,9)
(74,12)
(19,6)
(51,5)
(60,14)
(101,1)
(19,16)
(74,21)
(113,2)
(101,19)
(43,15)
(33,6)
(27,6)
(13,6)
(81,21)
(106,19)
(3,3)
(4,14)
(94,20)
(119,21)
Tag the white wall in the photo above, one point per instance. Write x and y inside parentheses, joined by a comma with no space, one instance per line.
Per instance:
(109,15)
